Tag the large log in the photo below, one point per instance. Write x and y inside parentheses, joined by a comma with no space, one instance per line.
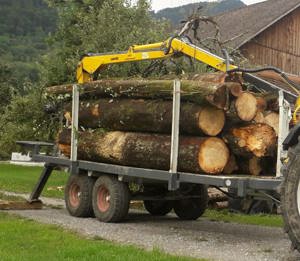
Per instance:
(250,166)
(231,165)
(194,91)
(246,106)
(272,119)
(196,155)
(269,118)
(254,139)
(148,116)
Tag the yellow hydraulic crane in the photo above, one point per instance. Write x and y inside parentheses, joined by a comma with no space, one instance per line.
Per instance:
(161,50)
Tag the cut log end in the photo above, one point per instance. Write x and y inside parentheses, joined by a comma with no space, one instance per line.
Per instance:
(211,121)
(272,119)
(246,106)
(235,88)
(213,155)
(65,149)
(259,118)
(259,139)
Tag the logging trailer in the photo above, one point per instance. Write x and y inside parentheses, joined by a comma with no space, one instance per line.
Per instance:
(102,189)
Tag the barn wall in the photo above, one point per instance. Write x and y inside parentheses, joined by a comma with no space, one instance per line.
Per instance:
(278,46)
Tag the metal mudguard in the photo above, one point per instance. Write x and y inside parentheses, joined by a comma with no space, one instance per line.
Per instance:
(292,138)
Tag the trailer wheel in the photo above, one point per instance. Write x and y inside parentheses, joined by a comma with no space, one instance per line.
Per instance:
(192,208)
(110,199)
(290,196)
(158,207)
(78,195)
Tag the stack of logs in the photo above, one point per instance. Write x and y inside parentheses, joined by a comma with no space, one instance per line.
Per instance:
(223,128)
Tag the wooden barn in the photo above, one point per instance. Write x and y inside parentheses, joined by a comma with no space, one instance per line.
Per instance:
(267,33)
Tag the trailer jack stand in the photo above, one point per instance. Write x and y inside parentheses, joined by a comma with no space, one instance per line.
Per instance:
(39,186)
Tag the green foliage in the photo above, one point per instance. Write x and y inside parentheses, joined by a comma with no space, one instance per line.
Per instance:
(27,240)
(97,27)
(24,26)
(24,119)
(6,86)
(22,180)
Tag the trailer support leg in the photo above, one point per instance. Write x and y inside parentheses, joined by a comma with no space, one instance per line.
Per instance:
(35,194)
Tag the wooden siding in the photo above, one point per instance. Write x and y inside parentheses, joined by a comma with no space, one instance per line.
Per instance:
(278,46)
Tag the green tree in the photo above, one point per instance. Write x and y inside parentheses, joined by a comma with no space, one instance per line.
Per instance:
(6,86)
(25,119)
(97,26)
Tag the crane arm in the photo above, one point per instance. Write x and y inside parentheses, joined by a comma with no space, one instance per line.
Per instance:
(161,50)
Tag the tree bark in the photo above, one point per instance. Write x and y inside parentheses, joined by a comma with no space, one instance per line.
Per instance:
(196,155)
(231,165)
(250,166)
(255,139)
(194,91)
(148,116)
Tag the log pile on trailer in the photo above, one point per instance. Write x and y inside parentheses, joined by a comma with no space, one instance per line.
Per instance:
(224,127)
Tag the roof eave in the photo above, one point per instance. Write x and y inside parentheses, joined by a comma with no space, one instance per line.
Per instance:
(267,26)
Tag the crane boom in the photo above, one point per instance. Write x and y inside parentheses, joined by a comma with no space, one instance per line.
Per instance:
(161,50)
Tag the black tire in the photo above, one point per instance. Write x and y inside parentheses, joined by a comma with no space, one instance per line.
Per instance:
(110,199)
(192,208)
(78,195)
(158,207)
(290,198)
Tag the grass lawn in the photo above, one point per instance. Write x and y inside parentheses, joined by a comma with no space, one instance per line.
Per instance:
(22,179)
(260,219)
(22,239)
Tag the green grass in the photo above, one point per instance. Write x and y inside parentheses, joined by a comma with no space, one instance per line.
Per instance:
(10,198)
(22,179)
(22,239)
(260,220)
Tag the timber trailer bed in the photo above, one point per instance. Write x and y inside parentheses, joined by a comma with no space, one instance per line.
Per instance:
(163,190)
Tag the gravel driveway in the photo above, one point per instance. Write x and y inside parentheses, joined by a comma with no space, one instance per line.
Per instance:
(202,238)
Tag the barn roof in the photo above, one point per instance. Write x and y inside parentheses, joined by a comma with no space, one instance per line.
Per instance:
(243,24)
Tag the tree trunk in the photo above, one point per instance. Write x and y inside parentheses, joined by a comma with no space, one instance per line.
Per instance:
(269,118)
(254,139)
(246,106)
(272,119)
(196,155)
(250,166)
(194,91)
(148,116)
(231,165)
(213,77)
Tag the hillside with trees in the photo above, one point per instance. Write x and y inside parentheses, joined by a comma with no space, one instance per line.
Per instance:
(24,28)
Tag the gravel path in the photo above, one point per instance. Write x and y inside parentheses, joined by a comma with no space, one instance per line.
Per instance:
(202,238)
